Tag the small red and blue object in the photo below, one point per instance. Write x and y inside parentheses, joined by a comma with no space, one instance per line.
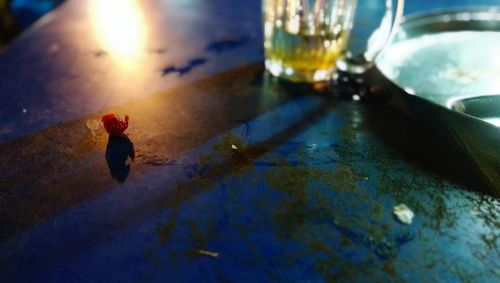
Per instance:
(114,125)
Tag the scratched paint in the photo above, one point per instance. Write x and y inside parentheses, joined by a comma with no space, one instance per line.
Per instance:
(226,44)
(337,217)
(315,204)
(182,70)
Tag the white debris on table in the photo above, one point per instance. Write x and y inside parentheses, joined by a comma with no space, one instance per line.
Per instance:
(208,253)
(92,125)
(234,147)
(403,213)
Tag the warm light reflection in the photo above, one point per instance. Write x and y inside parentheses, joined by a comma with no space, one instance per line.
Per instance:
(119,27)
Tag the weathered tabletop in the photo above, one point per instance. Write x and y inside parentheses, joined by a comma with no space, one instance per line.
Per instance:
(281,185)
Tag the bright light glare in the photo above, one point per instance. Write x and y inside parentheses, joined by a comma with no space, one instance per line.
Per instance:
(119,27)
(494,121)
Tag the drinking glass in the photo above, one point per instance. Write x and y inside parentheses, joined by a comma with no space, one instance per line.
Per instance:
(305,40)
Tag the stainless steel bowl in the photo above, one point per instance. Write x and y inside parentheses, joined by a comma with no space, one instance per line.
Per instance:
(446,66)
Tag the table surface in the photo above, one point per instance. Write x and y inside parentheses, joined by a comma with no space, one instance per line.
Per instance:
(282,185)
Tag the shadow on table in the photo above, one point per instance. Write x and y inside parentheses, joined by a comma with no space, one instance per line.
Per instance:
(433,149)
(118,150)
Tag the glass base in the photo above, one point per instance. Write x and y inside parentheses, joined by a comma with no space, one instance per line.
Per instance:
(277,69)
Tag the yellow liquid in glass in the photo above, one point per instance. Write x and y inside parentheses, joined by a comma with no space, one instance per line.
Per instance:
(303,56)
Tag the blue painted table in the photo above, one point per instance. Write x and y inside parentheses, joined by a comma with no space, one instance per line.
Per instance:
(236,177)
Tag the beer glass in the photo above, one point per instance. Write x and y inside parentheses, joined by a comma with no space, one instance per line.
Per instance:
(306,40)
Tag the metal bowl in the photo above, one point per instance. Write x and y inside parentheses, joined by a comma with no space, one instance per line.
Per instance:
(445,66)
